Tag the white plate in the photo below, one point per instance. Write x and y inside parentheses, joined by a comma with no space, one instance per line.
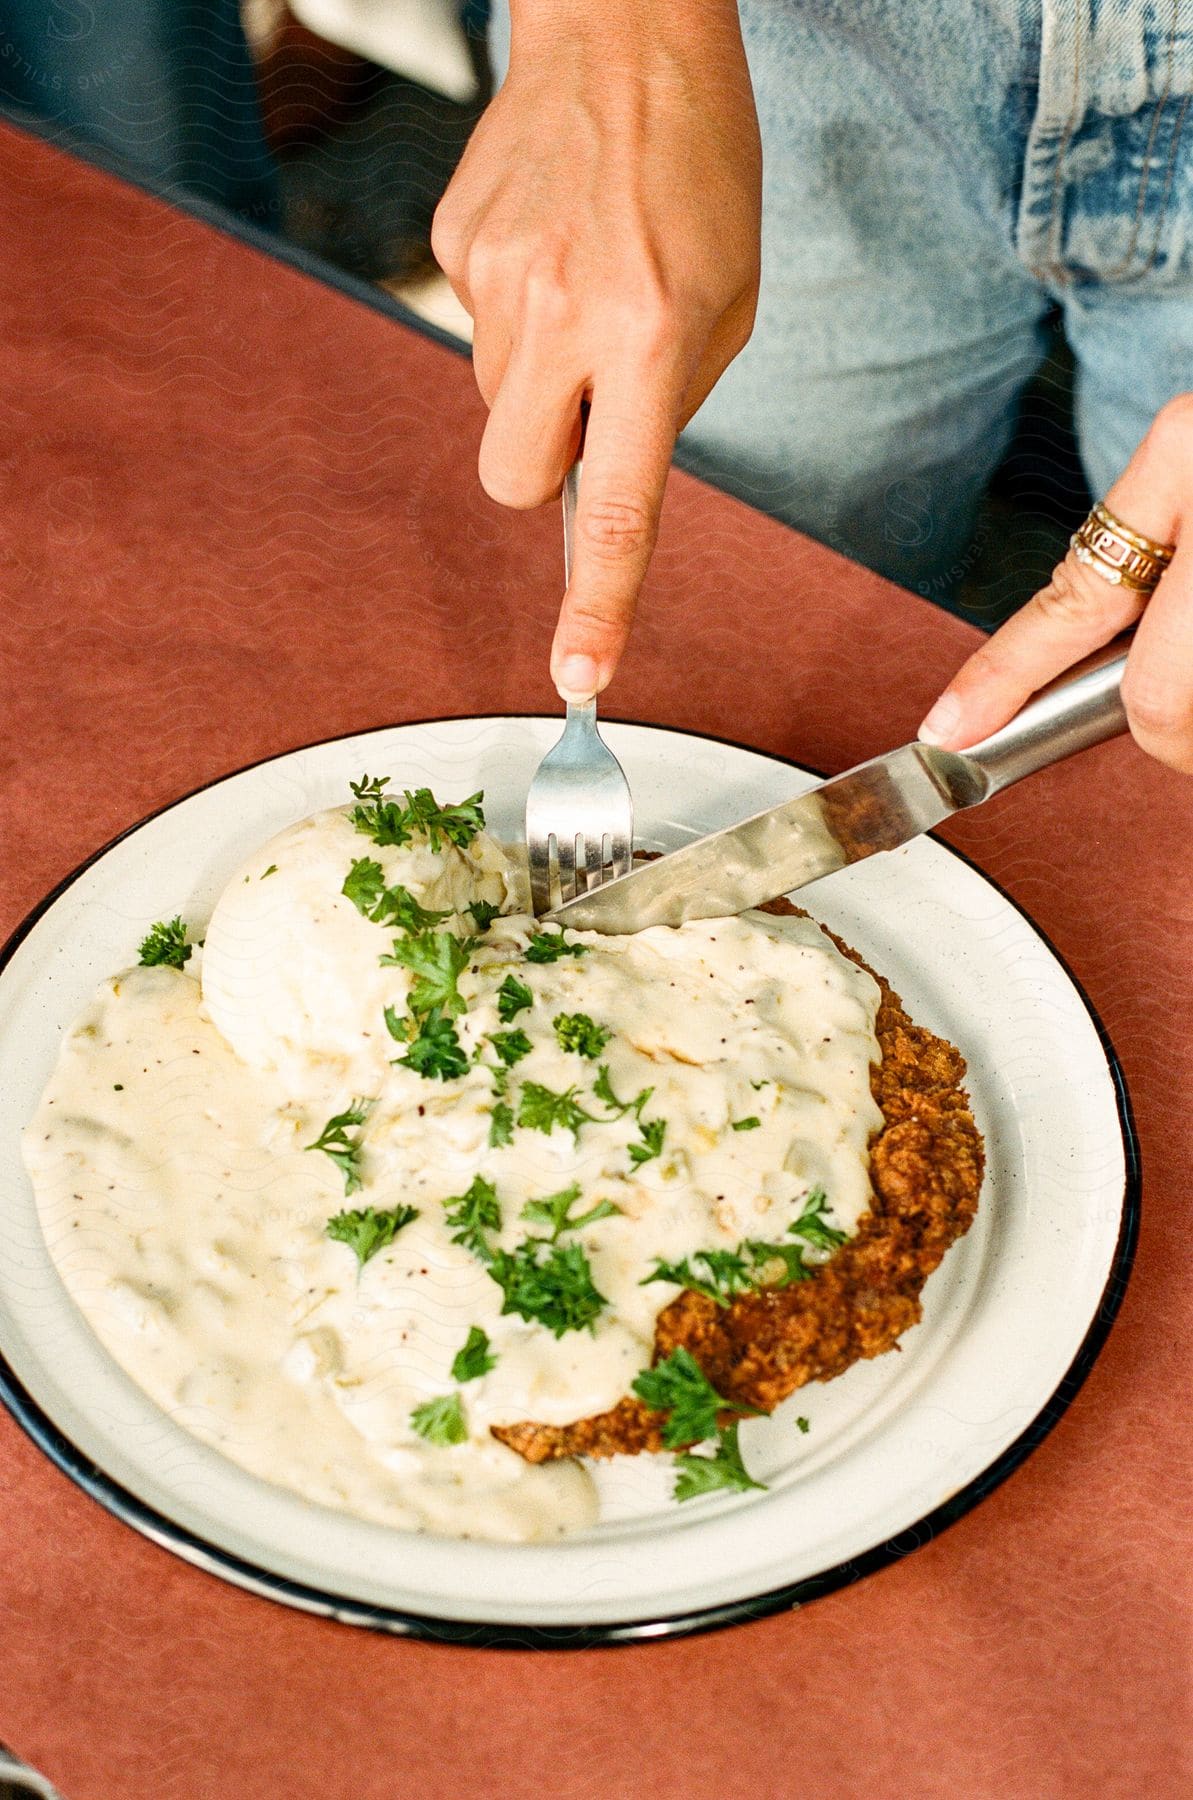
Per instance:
(896,1449)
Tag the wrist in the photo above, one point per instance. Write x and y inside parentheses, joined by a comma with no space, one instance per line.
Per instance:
(630,24)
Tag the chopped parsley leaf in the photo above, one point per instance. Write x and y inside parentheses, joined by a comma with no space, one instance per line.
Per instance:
(723,1273)
(441,1421)
(548,1285)
(511,1046)
(389,821)
(542,1109)
(271,870)
(435,1052)
(750,1124)
(475,1359)
(344,1151)
(512,996)
(776,1265)
(679,1387)
(483,913)
(369,1230)
(164,945)
(555,1210)
(459,824)
(577,1032)
(369,787)
(705,1474)
(718,1273)
(472,1214)
(602,1087)
(501,1125)
(802,1425)
(365,886)
(811,1225)
(653,1133)
(549,946)
(436,959)
(399,1028)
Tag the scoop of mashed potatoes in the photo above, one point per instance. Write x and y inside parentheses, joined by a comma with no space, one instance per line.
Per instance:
(290,965)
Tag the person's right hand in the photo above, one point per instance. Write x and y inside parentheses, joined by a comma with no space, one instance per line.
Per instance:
(603,231)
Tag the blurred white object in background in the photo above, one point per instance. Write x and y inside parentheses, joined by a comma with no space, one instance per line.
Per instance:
(431,297)
(421,39)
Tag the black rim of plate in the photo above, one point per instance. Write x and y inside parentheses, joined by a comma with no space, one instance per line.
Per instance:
(481,1635)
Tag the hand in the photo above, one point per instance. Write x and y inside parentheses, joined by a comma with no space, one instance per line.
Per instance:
(603,231)
(1078,612)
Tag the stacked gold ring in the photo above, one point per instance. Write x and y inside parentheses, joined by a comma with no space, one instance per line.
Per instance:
(1118,554)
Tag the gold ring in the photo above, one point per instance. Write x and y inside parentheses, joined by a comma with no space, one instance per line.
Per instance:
(1118,554)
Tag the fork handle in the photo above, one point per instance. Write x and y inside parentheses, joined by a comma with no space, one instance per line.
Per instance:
(582,713)
(571,497)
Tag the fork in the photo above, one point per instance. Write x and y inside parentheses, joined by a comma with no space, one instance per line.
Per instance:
(579,811)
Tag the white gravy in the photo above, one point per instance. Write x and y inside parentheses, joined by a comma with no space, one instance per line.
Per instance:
(187,1217)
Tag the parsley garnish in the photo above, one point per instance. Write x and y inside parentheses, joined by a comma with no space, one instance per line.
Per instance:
(459,824)
(555,1211)
(368,1231)
(437,960)
(577,1032)
(602,1087)
(653,1133)
(475,1359)
(344,1151)
(483,913)
(705,1474)
(402,1029)
(811,1225)
(679,1387)
(271,870)
(435,1052)
(542,1109)
(549,946)
(750,1124)
(511,1046)
(388,821)
(164,944)
(472,1214)
(802,1425)
(501,1125)
(365,886)
(554,1289)
(768,1259)
(512,996)
(723,1273)
(440,1421)
(718,1273)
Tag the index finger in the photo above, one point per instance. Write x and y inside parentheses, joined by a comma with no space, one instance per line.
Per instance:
(632,424)
(1078,611)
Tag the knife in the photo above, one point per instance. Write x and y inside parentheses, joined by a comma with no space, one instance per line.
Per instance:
(879,805)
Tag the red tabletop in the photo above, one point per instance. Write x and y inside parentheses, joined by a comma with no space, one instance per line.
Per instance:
(240,512)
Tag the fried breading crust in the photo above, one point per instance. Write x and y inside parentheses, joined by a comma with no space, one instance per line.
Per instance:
(925,1169)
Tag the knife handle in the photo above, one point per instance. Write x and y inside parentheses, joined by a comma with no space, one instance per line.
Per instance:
(1081,708)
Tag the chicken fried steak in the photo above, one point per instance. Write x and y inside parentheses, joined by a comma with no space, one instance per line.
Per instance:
(926,1171)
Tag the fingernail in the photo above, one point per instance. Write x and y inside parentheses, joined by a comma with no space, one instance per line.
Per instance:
(942,721)
(576,678)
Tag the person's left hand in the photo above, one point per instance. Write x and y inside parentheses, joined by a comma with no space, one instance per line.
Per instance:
(1079,611)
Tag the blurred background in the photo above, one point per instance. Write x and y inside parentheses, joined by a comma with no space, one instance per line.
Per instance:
(338,123)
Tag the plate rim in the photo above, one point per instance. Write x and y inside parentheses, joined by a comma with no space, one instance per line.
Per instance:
(212,1560)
